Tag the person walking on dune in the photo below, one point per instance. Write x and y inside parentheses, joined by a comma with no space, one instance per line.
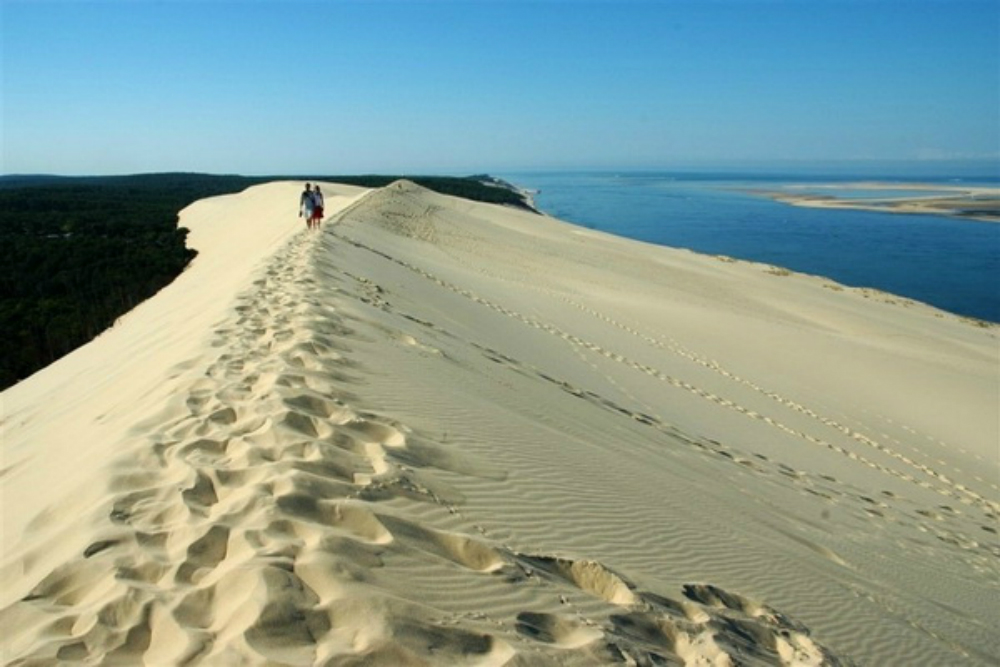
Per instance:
(317,211)
(306,205)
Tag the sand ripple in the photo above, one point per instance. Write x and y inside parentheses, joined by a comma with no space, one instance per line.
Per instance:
(307,500)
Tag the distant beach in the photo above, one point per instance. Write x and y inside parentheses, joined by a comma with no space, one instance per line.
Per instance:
(930,248)
(972,203)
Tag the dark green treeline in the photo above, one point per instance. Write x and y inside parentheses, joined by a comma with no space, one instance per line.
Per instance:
(77,253)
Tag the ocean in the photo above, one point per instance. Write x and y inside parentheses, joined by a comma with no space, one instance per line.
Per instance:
(950,263)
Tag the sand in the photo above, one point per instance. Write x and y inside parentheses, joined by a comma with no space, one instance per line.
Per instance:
(957,201)
(440,432)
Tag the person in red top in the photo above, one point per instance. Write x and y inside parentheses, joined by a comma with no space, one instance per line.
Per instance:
(317,209)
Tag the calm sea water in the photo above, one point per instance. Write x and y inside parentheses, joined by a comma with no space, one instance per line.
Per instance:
(949,263)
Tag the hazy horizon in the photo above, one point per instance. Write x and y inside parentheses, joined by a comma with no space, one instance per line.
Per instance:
(272,87)
(986,169)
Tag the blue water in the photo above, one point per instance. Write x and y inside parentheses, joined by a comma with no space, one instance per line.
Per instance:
(949,263)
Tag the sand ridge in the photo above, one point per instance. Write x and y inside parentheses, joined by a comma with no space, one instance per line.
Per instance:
(447,433)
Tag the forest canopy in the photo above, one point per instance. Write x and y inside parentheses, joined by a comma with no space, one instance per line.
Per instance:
(76,253)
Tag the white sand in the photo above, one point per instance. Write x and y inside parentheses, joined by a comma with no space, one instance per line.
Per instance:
(960,201)
(449,433)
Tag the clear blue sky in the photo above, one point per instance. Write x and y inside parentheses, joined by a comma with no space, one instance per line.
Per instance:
(450,86)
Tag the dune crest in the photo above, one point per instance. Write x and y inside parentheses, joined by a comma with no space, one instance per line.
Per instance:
(454,434)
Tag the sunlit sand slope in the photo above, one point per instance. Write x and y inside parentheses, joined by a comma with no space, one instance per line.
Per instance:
(448,433)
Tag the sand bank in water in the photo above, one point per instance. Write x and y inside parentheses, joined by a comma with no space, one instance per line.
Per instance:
(449,433)
(966,202)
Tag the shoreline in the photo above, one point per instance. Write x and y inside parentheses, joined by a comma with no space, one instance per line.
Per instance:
(978,203)
(860,283)
(447,432)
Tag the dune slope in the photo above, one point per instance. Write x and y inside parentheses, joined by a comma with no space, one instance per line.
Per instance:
(448,433)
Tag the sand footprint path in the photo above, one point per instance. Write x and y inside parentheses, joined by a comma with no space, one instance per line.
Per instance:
(271,516)
(300,500)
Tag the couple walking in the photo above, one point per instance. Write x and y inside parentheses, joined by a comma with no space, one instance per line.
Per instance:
(311,206)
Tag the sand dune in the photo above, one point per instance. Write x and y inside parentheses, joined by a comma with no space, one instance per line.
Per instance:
(447,433)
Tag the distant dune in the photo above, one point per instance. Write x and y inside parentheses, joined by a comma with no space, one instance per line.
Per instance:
(441,432)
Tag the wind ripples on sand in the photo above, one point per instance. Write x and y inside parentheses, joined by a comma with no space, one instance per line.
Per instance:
(389,456)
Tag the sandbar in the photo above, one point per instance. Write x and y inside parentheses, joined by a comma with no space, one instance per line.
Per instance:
(956,201)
